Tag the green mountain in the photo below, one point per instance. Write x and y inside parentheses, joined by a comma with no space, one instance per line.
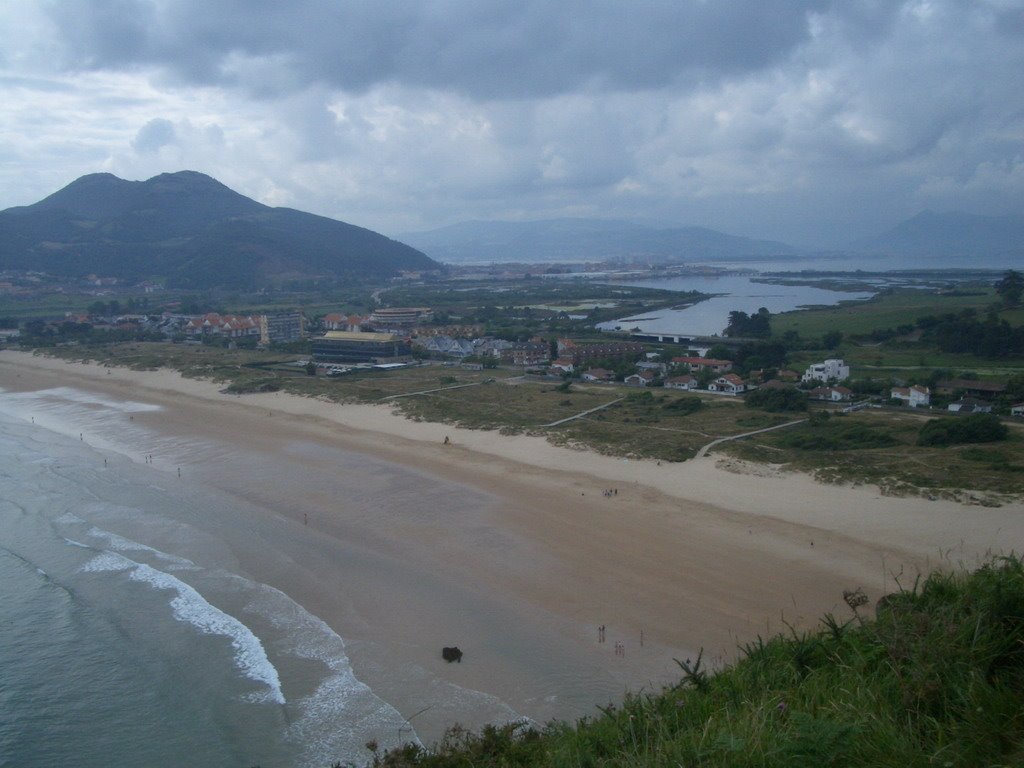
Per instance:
(586,239)
(191,230)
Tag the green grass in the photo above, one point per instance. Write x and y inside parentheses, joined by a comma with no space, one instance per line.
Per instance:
(889,309)
(880,447)
(937,679)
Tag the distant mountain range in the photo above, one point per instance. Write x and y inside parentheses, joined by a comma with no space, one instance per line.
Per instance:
(191,230)
(928,239)
(947,235)
(585,239)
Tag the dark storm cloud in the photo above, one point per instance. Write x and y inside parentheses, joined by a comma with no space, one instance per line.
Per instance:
(485,49)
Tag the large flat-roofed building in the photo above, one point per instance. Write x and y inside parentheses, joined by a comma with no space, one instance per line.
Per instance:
(400,317)
(347,347)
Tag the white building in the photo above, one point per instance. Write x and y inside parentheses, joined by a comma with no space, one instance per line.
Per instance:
(913,396)
(730,383)
(830,370)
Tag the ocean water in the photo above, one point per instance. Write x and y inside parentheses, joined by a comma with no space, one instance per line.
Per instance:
(115,652)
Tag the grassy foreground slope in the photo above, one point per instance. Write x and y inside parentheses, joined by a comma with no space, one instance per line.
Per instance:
(937,679)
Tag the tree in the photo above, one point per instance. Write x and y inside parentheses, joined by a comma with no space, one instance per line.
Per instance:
(1011,287)
(757,325)
(311,368)
(832,339)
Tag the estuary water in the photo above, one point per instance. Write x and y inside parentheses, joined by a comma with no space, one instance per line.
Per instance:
(736,293)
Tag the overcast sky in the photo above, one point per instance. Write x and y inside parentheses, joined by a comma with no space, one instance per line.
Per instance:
(810,122)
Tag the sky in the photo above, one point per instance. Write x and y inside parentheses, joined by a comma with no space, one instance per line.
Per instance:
(811,122)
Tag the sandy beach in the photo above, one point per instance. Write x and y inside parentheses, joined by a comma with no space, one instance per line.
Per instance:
(507,546)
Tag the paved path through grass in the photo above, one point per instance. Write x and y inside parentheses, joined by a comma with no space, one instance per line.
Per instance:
(437,389)
(585,413)
(704,451)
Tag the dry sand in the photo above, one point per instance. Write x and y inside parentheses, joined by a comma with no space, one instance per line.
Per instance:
(506,544)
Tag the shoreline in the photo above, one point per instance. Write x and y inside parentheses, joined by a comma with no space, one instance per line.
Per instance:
(690,554)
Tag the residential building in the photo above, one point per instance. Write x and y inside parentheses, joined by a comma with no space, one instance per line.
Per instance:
(698,364)
(640,379)
(730,383)
(686,382)
(835,394)
(984,390)
(231,326)
(445,346)
(282,327)
(563,364)
(586,353)
(967,405)
(1017,410)
(914,396)
(526,353)
(598,374)
(400,317)
(829,370)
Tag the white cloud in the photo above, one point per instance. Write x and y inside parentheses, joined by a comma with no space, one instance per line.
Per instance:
(805,123)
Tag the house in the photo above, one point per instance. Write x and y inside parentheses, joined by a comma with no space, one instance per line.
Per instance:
(562,364)
(647,365)
(832,394)
(1017,410)
(969,405)
(685,382)
(640,379)
(730,384)
(985,390)
(704,364)
(446,346)
(598,374)
(829,370)
(525,353)
(232,326)
(914,396)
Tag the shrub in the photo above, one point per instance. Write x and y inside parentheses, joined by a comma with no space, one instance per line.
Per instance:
(976,428)
(834,435)
(778,400)
(684,405)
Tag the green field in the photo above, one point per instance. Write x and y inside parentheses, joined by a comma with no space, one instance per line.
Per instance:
(889,309)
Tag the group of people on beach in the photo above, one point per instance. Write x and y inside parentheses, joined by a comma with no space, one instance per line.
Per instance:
(610,491)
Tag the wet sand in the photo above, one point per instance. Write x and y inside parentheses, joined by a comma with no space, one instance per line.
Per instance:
(507,547)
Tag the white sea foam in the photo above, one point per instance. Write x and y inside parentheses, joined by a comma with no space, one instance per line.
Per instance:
(68,518)
(121,544)
(343,712)
(190,607)
(81,397)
